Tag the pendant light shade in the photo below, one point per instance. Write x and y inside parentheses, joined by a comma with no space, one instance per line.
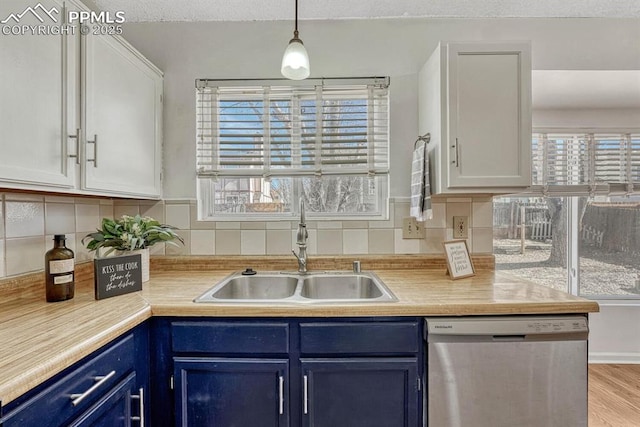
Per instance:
(295,61)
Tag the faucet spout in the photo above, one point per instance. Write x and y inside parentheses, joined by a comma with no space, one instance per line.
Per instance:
(301,241)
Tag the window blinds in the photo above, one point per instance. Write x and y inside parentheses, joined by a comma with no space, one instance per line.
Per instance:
(585,163)
(284,128)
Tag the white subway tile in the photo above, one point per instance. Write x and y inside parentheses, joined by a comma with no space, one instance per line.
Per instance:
(482,214)
(329,242)
(253,242)
(178,216)
(381,241)
(87,218)
(278,242)
(405,246)
(203,242)
(59,218)
(24,219)
(25,254)
(355,241)
(227,242)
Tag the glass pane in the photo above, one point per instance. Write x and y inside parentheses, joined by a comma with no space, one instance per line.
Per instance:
(530,239)
(342,195)
(610,247)
(251,196)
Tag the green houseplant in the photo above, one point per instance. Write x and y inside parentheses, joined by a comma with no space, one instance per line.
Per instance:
(130,234)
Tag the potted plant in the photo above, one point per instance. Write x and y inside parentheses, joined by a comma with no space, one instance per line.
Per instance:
(129,235)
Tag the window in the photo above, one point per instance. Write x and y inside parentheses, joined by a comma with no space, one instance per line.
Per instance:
(264,146)
(579,229)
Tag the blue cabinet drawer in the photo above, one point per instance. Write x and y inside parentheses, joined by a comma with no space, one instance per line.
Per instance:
(230,337)
(356,337)
(74,392)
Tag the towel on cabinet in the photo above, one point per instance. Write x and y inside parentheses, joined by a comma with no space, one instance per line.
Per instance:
(420,186)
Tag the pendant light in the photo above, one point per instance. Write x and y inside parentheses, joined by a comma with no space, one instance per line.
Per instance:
(295,62)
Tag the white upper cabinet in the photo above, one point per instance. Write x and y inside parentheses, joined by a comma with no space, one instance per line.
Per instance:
(37,105)
(121,118)
(475,100)
(100,134)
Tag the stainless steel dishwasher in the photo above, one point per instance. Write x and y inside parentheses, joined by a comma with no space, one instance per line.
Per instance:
(511,371)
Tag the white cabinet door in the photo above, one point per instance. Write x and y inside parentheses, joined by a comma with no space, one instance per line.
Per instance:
(489,108)
(475,101)
(122,119)
(37,105)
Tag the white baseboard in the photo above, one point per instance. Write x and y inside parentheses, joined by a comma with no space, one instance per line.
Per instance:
(622,358)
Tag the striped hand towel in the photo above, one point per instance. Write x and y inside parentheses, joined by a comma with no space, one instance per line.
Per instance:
(420,187)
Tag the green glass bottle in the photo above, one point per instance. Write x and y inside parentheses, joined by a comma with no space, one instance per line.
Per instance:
(59,271)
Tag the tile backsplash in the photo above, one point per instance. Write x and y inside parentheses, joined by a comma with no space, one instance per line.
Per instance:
(29,221)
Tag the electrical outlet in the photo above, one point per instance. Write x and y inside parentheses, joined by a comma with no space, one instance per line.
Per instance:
(460,227)
(412,229)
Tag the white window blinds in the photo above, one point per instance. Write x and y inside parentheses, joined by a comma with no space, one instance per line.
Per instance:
(586,163)
(283,128)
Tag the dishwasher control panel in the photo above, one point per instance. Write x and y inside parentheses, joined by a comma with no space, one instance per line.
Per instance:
(508,325)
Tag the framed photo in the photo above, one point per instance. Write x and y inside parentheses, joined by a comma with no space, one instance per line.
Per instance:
(458,259)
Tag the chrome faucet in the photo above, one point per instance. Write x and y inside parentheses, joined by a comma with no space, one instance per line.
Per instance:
(301,241)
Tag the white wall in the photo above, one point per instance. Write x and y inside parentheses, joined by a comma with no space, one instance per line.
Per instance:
(617,118)
(397,48)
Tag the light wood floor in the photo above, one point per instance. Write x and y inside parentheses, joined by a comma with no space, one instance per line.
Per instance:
(614,395)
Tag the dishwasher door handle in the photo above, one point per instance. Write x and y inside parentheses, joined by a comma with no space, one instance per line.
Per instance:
(509,338)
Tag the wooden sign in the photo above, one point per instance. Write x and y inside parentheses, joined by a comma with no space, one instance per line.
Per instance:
(117,275)
(459,263)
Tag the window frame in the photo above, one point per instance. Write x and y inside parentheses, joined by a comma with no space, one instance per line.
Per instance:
(373,171)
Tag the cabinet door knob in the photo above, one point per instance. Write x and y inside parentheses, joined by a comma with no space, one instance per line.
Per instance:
(76,399)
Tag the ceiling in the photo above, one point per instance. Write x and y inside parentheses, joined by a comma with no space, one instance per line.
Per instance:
(270,10)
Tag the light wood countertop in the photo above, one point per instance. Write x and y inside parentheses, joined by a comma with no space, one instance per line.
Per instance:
(40,339)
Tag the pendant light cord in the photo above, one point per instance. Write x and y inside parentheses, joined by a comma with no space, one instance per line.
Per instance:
(295,31)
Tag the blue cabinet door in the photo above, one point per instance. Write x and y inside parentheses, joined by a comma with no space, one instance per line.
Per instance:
(360,392)
(231,392)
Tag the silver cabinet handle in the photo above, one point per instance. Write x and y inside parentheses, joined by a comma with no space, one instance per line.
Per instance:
(457,153)
(281,394)
(140,397)
(77,398)
(77,138)
(95,151)
(305,394)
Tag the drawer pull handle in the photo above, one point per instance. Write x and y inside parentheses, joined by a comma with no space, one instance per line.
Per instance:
(95,151)
(281,394)
(77,398)
(305,397)
(140,398)
(77,138)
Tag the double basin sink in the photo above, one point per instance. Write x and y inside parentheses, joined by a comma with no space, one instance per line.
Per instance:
(313,287)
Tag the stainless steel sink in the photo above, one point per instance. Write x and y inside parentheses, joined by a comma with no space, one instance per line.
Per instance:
(332,286)
(257,287)
(314,287)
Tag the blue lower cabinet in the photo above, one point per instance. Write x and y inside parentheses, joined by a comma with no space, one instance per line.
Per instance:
(106,388)
(360,392)
(230,392)
(298,372)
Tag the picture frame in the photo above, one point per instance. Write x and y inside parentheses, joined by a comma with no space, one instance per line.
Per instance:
(459,264)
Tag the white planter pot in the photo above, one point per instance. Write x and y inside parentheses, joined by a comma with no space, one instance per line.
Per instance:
(144,257)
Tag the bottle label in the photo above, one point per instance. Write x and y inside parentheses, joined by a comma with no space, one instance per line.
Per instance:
(61,280)
(61,266)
